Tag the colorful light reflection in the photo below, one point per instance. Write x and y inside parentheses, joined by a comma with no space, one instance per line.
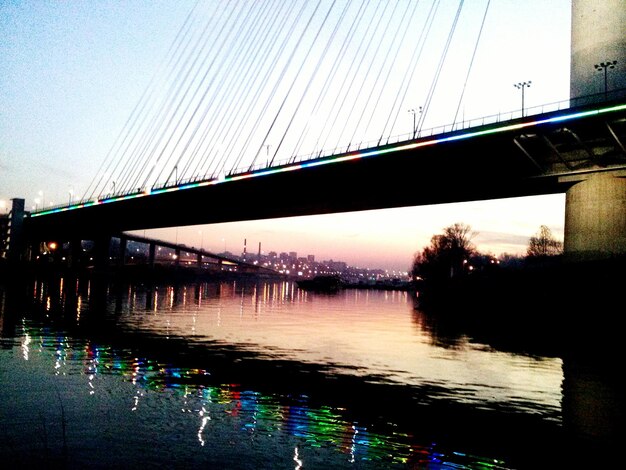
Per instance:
(249,411)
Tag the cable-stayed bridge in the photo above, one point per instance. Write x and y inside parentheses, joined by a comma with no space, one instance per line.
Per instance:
(542,154)
(258,122)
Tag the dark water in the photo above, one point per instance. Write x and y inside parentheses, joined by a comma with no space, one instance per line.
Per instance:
(264,375)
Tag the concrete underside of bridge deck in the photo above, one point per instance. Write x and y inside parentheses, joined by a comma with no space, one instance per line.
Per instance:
(460,172)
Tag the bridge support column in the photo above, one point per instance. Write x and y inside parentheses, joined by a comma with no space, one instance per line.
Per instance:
(121,257)
(76,251)
(151,253)
(177,257)
(101,252)
(595,219)
(199,260)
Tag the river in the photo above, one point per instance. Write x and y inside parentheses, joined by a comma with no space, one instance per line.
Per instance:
(248,374)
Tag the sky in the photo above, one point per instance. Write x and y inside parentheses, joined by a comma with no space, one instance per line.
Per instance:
(73,72)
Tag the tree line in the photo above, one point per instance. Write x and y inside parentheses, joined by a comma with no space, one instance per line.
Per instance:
(452,254)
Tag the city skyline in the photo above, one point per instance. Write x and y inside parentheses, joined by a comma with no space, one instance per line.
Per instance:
(72,72)
(386,239)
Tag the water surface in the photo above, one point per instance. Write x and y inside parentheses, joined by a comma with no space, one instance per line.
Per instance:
(265,375)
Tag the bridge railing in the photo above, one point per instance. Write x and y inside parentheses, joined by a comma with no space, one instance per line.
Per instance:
(447,128)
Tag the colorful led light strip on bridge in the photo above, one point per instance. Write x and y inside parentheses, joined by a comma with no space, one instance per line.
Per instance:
(342,158)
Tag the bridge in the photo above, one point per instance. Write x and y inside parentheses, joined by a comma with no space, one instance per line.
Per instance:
(577,148)
(126,250)
(542,154)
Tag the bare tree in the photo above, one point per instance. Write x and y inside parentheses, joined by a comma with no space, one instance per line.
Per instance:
(544,244)
(447,254)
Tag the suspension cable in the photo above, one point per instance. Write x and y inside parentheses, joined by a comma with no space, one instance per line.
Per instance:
(439,67)
(234,33)
(410,71)
(482,24)
(148,142)
(242,81)
(239,52)
(331,76)
(248,140)
(109,158)
(392,45)
(314,74)
(292,83)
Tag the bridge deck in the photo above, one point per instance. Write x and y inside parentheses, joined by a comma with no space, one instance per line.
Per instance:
(543,154)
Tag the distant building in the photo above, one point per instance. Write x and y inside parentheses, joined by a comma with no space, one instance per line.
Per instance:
(4,229)
(337,266)
(11,238)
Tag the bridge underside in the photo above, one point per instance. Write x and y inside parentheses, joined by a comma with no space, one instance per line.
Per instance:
(538,159)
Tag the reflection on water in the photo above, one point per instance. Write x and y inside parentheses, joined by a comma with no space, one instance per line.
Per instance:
(265,375)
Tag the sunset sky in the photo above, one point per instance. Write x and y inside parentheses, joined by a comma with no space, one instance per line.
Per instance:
(72,72)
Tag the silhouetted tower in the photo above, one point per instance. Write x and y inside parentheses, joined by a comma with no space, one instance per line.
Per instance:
(598,37)
(14,236)
(595,226)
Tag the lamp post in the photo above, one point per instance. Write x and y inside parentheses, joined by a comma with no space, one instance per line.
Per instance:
(412,110)
(521,86)
(604,67)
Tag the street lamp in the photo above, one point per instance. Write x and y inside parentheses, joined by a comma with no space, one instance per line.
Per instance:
(521,86)
(605,66)
(414,123)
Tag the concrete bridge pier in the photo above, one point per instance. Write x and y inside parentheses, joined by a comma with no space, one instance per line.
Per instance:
(595,219)
(151,254)
(75,253)
(121,259)
(102,246)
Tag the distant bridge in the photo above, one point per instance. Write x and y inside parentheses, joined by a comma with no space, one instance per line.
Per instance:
(115,251)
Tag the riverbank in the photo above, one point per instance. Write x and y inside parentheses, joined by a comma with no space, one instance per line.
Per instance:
(134,273)
(539,305)
(556,279)
(182,273)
